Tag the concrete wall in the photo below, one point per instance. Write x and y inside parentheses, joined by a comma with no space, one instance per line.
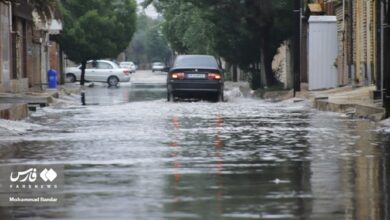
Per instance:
(19,85)
(282,65)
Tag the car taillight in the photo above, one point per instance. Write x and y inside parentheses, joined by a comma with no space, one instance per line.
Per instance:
(214,76)
(177,76)
(126,72)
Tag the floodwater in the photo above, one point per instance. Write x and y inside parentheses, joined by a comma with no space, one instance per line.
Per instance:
(129,154)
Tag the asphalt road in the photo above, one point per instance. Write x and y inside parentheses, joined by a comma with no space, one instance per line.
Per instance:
(130,154)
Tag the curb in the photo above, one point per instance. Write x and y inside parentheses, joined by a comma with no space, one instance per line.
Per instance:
(353,110)
(14,112)
(16,106)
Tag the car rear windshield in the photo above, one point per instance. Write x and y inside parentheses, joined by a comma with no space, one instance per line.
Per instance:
(196,61)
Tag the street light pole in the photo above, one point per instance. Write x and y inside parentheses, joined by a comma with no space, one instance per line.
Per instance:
(382,22)
(297,45)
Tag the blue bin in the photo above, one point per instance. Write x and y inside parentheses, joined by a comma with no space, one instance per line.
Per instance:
(52,77)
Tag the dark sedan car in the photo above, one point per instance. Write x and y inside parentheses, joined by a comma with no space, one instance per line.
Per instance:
(195,76)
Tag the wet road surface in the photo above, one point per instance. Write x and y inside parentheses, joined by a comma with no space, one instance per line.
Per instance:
(129,154)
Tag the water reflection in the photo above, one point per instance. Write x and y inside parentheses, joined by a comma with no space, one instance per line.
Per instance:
(349,176)
(100,95)
(83,99)
(215,183)
(370,180)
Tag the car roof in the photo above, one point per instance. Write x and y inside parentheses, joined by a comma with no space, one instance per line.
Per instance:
(195,61)
(105,61)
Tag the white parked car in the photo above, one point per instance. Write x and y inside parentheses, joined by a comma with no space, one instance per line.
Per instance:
(157,66)
(99,71)
(128,65)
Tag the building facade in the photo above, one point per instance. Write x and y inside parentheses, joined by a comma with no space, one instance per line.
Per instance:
(357,36)
(25,51)
(363,42)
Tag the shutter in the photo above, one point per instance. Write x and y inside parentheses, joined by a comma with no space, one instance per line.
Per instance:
(364,32)
(339,15)
(372,29)
(355,29)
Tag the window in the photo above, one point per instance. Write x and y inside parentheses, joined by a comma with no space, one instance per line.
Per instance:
(91,65)
(103,65)
(196,61)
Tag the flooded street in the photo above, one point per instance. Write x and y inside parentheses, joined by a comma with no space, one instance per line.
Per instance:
(129,154)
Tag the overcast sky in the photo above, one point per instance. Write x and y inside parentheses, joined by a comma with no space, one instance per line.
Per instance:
(150,11)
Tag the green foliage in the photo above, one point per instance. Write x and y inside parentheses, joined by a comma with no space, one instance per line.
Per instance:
(185,27)
(95,29)
(148,44)
(243,32)
(156,46)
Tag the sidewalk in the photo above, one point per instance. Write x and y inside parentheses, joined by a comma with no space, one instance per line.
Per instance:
(356,102)
(16,106)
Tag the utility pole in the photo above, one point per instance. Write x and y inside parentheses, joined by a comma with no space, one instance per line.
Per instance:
(379,88)
(297,45)
(385,66)
(382,37)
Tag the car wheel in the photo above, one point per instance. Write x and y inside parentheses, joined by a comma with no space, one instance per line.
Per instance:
(170,97)
(70,77)
(220,97)
(112,81)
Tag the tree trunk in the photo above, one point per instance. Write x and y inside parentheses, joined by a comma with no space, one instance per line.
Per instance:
(82,77)
(263,73)
(267,54)
(235,73)
(256,78)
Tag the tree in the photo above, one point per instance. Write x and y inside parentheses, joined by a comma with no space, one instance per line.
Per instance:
(185,28)
(148,44)
(245,33)
(156,46)
(96,29)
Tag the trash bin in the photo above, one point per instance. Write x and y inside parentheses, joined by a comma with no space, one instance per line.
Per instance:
(52,77)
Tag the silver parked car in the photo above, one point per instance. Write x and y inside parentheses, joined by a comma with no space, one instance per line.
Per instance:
(128,65)
(158,66)
(99,71)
